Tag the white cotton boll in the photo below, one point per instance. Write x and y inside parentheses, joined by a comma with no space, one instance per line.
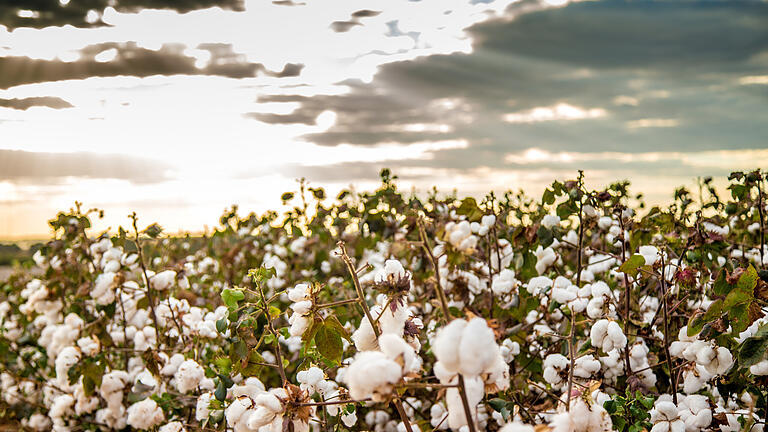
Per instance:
(175,426)
(67,358)
(61,406)
(607,335)
(498,378)
(89,345)
(400,351)
(104,288)
(372,374)
(760,368)
(38,422)
(538,284)
(445,345)
(270,401)
(721,362)
(477,349)
(392,268)
(650,253)
(145,414)
(666,418)
(172,365)
(236,409)
(475,390)
(303,307)
(589,211)
(550,221)
(604,222)
(163,280)
(202,407)
(364,337)
(555,366)
(695,412)
(393,321)
(505,283)
(488,221)
(299,324)
(349,419)
(299,293)
(585,367)
(517,427)
(188,376)
(509,350)
(544,258)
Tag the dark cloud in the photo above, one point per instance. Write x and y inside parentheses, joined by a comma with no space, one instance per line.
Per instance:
(343,26)
(16,165)
(681,61)
(44,101)
(53,13)
(365,13)
(347,25)
(133,60)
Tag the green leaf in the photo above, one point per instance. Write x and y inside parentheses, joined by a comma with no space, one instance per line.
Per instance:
(329,344)
(748,280)
(752,350)
(548,198)
(221,391)
(470,209)
(336,325)
(545,236)
(221,325)
(713,312)
(497,404)
(274,312)
(632,265)
(739,316)
(721,287)
(231,297)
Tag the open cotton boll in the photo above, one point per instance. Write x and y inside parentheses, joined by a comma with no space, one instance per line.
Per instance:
(400,351)
(392,269)
(517,427)
(695,412)
(236,409)
(544,258)
(582,418)
(163,280)
(104,288)
(666,417)
(372,374)
(585,367)
(760,368)
(478,349)
(202,407)
(67,358)
(607,335)
(650,253)
(555,366)
(456,415)
(721,362)
(445,345)
(538,284)
(505,283)
(299,324)
(550,221)
(298,293)
(393,321)
(188,376)
(175,426)
(364,337)
(145,414)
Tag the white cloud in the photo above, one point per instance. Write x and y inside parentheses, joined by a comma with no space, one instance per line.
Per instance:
(754,79)
(561,111)
(652,123)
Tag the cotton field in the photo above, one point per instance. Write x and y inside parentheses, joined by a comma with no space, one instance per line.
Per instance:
(577,311)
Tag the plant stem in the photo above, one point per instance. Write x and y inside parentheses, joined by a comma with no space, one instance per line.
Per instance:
(627,297)
(146,279)
(672,376)
(360,295)
(278,350)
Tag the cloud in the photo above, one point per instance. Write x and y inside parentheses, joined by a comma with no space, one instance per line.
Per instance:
(561,111)
(17,165)
(26,103)
(77,13)
(114,59)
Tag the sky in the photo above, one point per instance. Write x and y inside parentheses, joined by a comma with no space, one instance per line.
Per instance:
(177,109)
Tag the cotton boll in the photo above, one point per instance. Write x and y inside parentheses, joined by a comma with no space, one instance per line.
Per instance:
(538,284)
(349,419)
(550,221)
(372,374)
(175,426)
(666,418)
(299,293)
(456,415)
(202,410)
(445,345)
(477,349)
(695,412)
(188,376)
(364,337)
(400,351)
(299,324)
(760,368)
(555,366)
(236,409)
(505,283)
(145,414)
(163,280)
(517,427)
(650,253)
(585,367)
(607,335)
(544,258)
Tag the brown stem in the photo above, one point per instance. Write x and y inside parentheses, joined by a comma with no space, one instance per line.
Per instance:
(440,293)
(672,375)
(338,303)
(278,350)
(627,297)
(146,279)
(360,295)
